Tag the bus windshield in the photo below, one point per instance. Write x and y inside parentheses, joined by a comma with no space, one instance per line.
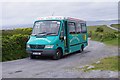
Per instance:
(46,28)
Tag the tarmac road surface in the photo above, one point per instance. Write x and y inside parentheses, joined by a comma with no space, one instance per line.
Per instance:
(63,68)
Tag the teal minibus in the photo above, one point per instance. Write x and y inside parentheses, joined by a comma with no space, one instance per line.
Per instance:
(57,36)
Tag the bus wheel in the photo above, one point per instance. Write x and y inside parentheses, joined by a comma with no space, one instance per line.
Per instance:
(32,56)
(57,55)
(82,48)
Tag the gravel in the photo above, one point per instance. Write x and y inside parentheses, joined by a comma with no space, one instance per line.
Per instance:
(63,68)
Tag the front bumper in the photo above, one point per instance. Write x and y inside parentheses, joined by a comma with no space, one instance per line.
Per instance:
(42,52)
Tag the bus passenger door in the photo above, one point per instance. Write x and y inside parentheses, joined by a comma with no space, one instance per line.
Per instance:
(73,39)
(66,37)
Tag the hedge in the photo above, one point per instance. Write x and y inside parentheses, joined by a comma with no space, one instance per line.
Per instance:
(13,47)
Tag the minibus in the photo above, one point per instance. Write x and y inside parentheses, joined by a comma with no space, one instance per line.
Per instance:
(57,36)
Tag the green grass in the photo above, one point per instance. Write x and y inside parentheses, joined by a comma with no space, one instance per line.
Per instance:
(109,63)
(116,26)
(113,42)
(106,29)
(107,38)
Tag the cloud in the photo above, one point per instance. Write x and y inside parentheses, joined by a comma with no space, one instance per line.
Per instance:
(27,12)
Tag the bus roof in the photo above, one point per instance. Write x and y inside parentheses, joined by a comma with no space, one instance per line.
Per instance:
(60,18)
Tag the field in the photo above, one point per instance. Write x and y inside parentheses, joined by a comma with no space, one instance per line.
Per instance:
(106,29)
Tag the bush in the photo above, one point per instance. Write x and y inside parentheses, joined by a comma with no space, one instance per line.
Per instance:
(90,33)
(13,47)
(99,29)
(103,36)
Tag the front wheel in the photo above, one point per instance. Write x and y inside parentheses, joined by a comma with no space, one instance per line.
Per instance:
(32,56)
(57,55)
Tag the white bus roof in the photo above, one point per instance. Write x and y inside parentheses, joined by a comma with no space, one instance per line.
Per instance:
(59,18)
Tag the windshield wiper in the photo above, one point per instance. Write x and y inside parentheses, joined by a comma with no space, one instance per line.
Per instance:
(33,34)
(51,33)
(42,33)
(38,34)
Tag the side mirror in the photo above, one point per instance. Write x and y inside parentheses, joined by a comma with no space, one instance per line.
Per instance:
(61,35)
(61,38)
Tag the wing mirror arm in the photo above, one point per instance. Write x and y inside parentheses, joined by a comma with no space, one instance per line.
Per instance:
(62,35)
(61,38)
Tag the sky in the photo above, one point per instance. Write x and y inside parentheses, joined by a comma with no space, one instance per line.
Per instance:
(16,12)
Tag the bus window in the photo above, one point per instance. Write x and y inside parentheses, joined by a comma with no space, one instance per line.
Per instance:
(83,28)
(78,28)
(71,26)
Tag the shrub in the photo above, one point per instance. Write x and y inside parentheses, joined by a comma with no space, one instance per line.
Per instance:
(14,43)
(13,47)
(99,29)
(103,36)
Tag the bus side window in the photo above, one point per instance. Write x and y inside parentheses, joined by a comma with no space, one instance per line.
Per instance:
(71,26)
(78,28)
(83,28)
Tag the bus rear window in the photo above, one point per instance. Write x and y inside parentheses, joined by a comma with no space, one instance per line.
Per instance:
(83,28)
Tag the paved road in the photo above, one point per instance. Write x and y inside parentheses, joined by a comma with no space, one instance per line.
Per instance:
(63,68)
(113,28)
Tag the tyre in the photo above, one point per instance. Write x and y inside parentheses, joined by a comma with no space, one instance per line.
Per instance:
(32,57)
(57,55)
(82,48)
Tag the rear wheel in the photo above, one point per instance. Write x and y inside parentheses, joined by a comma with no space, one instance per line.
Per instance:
(57,55)
(82,48)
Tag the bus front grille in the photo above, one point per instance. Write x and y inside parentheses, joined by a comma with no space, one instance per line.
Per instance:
(37,46)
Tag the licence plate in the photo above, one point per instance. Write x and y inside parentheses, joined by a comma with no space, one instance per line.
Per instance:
(36,53)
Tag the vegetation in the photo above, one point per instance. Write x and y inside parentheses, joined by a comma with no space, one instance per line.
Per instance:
(115,26)
(104,34)
(105,28)
(14,43)
(23,31)
(99,29)
(109,63)
(110,37)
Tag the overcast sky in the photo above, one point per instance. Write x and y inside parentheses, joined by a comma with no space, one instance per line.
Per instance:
(26,12)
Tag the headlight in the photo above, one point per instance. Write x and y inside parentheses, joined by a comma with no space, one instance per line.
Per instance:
(49,46)
(28,46)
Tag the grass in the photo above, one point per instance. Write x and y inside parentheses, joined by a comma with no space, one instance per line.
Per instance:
(109,63)
(113,42)
(108,41)
(106,29)
(116,26)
